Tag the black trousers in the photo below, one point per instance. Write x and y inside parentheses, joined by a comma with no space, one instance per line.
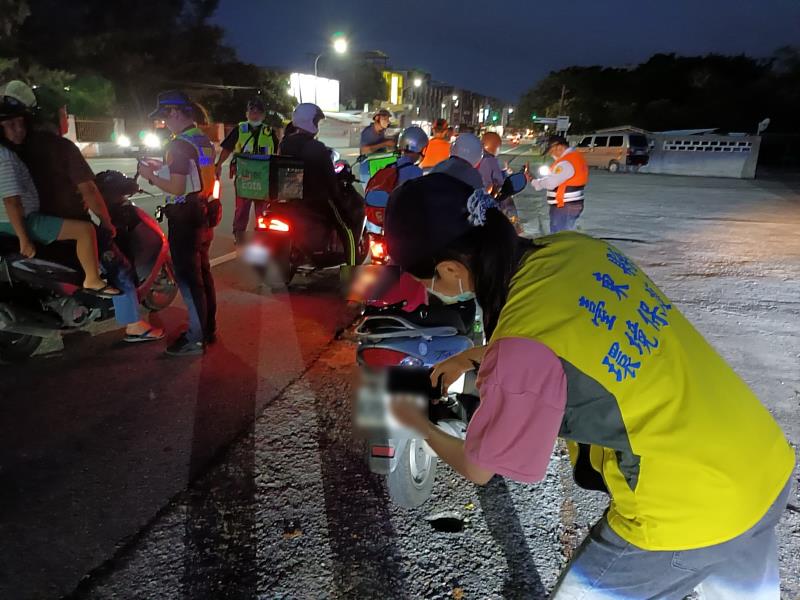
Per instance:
(189,242)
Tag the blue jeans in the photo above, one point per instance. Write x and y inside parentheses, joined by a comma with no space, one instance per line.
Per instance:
(119,271)
(606,567)
(565,218)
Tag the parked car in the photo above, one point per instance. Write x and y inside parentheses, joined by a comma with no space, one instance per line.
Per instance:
(613,151)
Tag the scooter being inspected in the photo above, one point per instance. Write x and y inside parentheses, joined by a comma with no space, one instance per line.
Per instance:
(395,340)
(42,295)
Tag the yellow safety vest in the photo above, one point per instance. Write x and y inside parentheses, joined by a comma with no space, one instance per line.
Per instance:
(202,180)
(247,144)
(690,456)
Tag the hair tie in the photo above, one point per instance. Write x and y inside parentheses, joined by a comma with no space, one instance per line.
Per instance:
(477,205)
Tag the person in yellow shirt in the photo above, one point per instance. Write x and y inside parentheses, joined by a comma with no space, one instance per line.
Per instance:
(584,346)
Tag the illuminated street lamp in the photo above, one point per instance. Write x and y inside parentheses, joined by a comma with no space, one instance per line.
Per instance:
(455,97)
(339,45)
(417,81)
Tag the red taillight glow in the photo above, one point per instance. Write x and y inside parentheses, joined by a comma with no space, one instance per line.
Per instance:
(383,451)
(377,249)
(375,215)
(215,194)
(381,357)
(271,224)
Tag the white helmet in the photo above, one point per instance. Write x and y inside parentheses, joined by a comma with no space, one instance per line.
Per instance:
(468,147)
(413,139)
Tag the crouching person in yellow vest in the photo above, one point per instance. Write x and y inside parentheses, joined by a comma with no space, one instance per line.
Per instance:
(252,136)
(187,176)
(584,346)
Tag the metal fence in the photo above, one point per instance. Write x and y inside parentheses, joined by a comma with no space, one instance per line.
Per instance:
(100,130)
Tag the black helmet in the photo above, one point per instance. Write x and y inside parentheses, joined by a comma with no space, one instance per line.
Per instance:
(113,184)
(554,140)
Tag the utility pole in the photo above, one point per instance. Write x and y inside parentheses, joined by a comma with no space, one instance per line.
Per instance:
(561,102)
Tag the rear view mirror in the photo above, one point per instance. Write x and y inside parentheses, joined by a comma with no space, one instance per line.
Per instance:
(515,183)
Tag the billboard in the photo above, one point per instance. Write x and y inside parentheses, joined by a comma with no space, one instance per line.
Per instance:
(319,90)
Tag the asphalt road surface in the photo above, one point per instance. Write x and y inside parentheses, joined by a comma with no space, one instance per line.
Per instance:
(127,475)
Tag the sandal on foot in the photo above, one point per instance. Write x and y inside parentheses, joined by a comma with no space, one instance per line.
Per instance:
(145,336)
(107,291)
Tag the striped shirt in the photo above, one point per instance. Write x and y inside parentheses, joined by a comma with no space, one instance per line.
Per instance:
(15,180)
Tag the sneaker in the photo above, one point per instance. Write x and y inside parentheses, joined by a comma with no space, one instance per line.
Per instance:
(183,347)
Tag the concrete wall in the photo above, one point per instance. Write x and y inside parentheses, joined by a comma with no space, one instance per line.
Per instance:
(704,155)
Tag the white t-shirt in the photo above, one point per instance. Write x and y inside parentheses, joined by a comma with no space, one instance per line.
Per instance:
(15,180)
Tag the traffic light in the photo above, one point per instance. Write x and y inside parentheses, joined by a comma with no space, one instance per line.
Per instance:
(533,117)
(495,117)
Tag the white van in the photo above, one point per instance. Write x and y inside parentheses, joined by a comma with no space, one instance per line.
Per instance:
(614,150)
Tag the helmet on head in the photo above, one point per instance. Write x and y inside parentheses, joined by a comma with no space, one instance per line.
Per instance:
(307,117)
(468,147)
(17,100)
(554,140)
(413,139)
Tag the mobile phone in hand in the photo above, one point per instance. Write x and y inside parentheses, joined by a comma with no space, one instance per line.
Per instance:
(414,381)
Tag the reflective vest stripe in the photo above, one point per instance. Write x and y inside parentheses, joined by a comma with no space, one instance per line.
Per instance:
(578,180)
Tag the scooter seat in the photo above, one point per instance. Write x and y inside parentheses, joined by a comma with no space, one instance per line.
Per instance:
(457,316)
(391,326)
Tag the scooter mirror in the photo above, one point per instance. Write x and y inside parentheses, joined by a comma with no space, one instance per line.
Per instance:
(513,184)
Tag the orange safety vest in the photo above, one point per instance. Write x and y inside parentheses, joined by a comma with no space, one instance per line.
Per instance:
(576,183)
(437,151)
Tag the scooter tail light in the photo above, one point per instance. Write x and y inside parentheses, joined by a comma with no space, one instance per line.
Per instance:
(382,451)
(377,249)
(382,357)
(215,193)
(272,224)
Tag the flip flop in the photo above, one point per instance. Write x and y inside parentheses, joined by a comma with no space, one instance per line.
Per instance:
(103,291)
(133,338)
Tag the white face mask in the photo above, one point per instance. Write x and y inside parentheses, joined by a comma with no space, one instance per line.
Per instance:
(255,123)
(461,297)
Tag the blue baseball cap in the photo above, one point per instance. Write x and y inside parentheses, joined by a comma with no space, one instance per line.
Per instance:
(170,99)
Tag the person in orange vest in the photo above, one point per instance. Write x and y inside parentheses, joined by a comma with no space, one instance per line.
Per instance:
(565,184)
(438,148)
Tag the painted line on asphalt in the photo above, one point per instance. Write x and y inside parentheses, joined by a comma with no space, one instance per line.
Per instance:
(220,260)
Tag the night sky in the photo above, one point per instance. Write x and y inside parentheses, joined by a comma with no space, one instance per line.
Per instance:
(502,48)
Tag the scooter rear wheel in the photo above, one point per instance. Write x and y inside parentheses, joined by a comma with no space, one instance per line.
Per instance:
(17,347)
(411,483)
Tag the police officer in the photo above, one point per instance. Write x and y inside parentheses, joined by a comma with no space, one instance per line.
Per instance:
(565,184)
(187,176)
(251,136)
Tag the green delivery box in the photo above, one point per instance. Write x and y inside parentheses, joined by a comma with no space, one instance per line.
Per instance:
(273,177)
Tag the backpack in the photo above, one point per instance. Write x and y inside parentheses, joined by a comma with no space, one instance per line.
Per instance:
(382,184)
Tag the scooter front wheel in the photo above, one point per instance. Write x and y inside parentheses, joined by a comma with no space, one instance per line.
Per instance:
(163,291)
(411,483)
(17,347)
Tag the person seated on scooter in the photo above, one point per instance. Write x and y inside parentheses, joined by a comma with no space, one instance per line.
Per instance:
(66,187)
(321,190)
(19,209)
(465,156)
(698,470)
(494,175)
(412,144)
(373,136)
